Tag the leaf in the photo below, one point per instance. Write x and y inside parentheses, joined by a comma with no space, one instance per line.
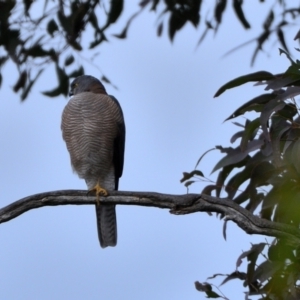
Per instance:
(293,71)
(234,275)
(76,73)
(236,155)
(176,22)
(199,160)
(236,181)
(237,5)
(260,41)
(224,229)
(266,270)
(208,189)
(94,21)
(281,39)
(281,51)
(27,89)
(64,22)
(37,51)
(52,27)
(270,108)
(269,20)
(251,254)
(219,10)
(207,288)
(188,183)
(123,34)
(21,82)
(187,175)
(257,76)
(255,104)
(27,5)
(236,136)
(63,84)
(116,8)
(69,60)
(223,174)
(279,83)
(249,133)
(160,28)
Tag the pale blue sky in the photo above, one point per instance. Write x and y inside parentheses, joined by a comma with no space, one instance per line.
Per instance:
(166,92)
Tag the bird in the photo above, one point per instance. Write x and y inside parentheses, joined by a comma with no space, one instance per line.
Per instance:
(93,128)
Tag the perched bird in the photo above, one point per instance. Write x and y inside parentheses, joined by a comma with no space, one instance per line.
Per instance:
(93,128)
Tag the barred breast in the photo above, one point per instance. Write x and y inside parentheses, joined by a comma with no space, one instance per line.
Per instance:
(89,127)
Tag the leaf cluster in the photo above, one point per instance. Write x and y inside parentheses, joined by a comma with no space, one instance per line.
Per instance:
(262,173)
(33,42)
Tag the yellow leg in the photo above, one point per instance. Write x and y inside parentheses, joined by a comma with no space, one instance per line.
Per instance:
(99,191)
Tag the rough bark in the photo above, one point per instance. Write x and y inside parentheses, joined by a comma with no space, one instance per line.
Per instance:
(178,205)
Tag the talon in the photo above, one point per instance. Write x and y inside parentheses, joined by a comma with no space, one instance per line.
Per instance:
(99,191)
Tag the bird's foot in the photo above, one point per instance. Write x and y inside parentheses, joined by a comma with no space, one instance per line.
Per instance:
(99,191)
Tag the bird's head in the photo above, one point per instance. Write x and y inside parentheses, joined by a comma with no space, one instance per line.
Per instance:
(86,83)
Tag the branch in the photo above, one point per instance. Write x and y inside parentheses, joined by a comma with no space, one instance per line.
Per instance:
(178,205)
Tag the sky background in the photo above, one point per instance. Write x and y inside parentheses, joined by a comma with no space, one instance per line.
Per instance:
(166,92)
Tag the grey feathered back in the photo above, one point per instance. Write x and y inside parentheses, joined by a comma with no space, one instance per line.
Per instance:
(94,130)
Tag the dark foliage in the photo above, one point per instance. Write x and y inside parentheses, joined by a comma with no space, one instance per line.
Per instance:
(33,42)
(262,172)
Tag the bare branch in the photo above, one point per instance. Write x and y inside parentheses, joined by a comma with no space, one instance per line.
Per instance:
(178,205)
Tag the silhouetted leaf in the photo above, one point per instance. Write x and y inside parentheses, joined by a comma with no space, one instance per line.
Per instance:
(21,81)
(269,108)
(176,22)
(236,155)
(69,60)
(237,5)
(52,27)
(279,82)
(219,9)
(234,275)
(209,189)
(281,51)
(236,136)
(257,76)
(256,104)
(269,20)
(200,158)
(260,41)
(123,34)
(187,175)
(37,51)
(94,20)
(289,93)
(63,84)
(27,5)
(249,133)
(64,22)
(5,9)
(27,89)
(207,288)
(188,183)
(293,71)
(76,73)
(116,8)
(281,39)
(251,254)
(266,270)
(160,29)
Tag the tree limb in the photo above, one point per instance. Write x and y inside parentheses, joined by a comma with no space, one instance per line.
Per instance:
(178,205)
